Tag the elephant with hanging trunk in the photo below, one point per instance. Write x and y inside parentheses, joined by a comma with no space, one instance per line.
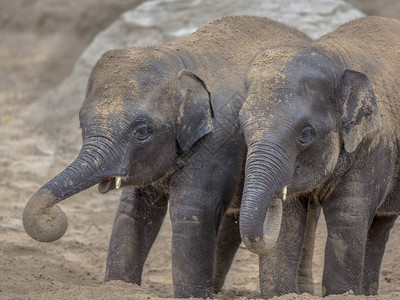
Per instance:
(162,123)
(323,123)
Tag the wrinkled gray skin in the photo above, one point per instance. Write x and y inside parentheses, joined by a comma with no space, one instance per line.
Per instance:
(326,123)
(166,120)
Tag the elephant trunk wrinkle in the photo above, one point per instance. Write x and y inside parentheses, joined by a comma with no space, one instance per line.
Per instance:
(102,148)
(267,174)
(81,174)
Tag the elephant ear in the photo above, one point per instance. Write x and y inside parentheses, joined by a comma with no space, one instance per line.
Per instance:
(360,111)
(195,110)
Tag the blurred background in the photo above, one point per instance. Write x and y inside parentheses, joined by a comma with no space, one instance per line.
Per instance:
(47,49)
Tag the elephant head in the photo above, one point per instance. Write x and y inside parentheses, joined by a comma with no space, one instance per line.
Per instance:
(302,111)
(140,110)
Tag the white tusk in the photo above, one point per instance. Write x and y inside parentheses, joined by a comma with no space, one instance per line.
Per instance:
(117,182)
(284,193)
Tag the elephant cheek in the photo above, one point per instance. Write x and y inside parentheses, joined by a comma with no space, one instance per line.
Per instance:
(329,156)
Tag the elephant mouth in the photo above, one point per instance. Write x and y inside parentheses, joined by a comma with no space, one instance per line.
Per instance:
(111,183)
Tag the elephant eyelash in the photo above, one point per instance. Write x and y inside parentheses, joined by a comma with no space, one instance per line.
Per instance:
(142,130)
(306,136)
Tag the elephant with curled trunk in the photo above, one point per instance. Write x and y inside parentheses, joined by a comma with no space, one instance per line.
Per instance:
(163,123)
(323,123)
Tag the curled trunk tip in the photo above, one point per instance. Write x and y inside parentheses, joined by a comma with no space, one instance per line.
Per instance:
(270,231)
(43,220)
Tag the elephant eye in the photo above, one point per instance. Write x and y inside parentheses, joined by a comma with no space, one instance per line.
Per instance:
(142,131)
(306,136)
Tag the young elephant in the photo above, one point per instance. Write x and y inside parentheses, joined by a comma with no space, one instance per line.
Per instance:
(325,122)
(165,120)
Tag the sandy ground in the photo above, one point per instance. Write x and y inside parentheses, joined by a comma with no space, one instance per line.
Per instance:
(40,41)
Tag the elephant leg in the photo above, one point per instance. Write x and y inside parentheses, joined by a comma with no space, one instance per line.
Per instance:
(199,195)
(305,282)
(349,212)
(137,223)
(194,231)
(278,268)
(347,221)
(228,241)
(378,235)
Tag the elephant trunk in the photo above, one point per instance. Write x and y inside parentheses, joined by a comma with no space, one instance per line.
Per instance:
(43,220)
(268,170)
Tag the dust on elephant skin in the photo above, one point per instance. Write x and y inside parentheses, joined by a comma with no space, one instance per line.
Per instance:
(325,122)
(165,120)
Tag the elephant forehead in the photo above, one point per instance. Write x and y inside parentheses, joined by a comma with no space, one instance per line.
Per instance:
(110,105)
(267,89)
(132,100)
(262,106)
(264,80)
(268,71)
(115,93)
(105,99)
(122,83)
